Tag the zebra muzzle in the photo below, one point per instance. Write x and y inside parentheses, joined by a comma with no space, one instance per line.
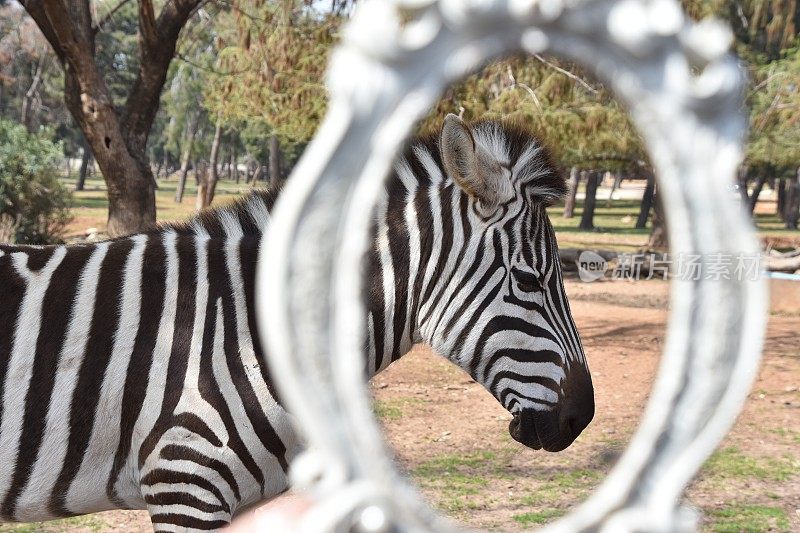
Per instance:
(523,430)
(552,431)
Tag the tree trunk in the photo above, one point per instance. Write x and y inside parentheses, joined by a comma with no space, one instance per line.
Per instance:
(211,180)
(182,181)
(118,138)
(274,160)
(86,158)
(614,187)
(201,172)
(792,212)
(164,166)
(249,171)
(201,193)
(587,217)
(780,207)
(193,165)
(741,179)
(159,166)
(26,115)
(572,192)
(753,200)
(129,180)
(257,174)
(233,169)
(191,130)
(647,202)
(658,235)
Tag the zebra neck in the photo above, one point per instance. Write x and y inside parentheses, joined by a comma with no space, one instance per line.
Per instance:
(413,236)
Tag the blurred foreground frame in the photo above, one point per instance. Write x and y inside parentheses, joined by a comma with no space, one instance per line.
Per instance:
(684,93)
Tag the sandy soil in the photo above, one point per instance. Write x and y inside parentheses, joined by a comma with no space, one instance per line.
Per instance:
(451,436)
(622,325)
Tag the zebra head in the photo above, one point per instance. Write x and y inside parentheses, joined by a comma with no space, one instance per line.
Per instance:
(501,312)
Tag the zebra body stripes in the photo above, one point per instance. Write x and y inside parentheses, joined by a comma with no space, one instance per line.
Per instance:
(131,373)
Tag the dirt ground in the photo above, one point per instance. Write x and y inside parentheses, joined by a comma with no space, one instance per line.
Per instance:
(452,437)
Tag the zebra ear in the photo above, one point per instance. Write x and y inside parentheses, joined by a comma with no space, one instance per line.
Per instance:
(470,166)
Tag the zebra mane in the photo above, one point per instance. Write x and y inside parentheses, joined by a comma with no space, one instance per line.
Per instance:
(251,210)
(510,142)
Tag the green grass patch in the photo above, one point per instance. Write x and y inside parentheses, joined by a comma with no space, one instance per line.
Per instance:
(786,433)
(542,495)
(614,225)
(575,482)
(619,217)
(576,478)
(445,465)
(538,517)
(457,479)
(90,522)
(732,463)
(395,408)
(740,518)
(386,411)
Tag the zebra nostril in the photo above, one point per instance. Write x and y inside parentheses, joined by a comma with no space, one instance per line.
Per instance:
(522,429)
(575,420)
(574,425)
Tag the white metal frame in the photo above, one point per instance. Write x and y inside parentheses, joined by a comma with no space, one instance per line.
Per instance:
(684,93)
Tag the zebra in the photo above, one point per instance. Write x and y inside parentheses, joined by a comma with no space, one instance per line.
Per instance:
(131,370)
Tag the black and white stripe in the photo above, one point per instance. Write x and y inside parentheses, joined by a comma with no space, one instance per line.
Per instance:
(131,374)
(466,261)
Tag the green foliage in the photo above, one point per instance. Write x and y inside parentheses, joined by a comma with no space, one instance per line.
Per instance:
(766,39)
(578,119)
(26,56)
(276,54)
(34,206)
(257,68)
(775,112)
(117,51)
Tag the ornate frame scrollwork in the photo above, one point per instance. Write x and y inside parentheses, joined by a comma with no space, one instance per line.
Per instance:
(684,93)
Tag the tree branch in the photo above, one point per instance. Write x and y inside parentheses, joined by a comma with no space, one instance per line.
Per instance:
(196,65)
(36,10)
(147,22)
(567,74)
(244,13)
(99,25)
(156,51)
(72,29)
(68,28)
(515,83)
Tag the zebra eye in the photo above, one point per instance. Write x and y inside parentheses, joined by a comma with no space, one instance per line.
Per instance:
(527,281)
